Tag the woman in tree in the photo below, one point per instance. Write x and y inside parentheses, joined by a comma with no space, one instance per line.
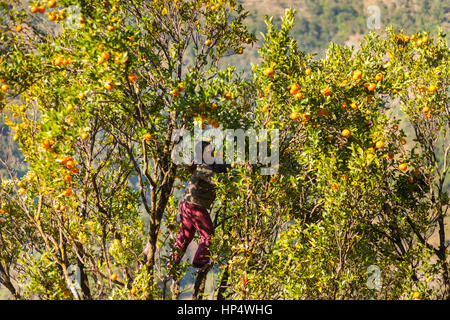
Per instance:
(195,205)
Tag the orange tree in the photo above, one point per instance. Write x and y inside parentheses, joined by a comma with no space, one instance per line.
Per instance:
(356,202)
(93,91)
(94,102)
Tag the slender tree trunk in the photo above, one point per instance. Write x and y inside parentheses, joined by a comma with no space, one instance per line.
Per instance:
(4,280)
(199,285)
(175,289)
(84,282)
(443,257)
(223,285)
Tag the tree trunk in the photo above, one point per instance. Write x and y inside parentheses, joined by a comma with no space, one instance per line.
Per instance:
(199,285)
(175,289)
(84,282)
(223,285)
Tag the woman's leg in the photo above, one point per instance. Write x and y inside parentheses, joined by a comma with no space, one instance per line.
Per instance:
(186,233)
(204,225)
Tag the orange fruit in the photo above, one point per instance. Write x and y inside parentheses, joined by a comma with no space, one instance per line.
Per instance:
(66,159)
(346,133)
(132,77)
(370,86)
(403,141)
(181,86)
(264,109)
(110,28)
(34,9)
(426,109)
(395,127)
(114,277)
(208,42)
(67,192)
(379,77)
(269,72)
(41,9)
(67,178)
(344,105)
(133,291)
(294,88)
(354,106)
(19,28)
(70,164)
(84,135)
(147,136)
(105,55)
(417,296)
(357,75)
(74,170)
(175,92)
(52,16)
(403,166)
(428,115)
(379,144)
(46,144)
(306,117)
(109,85)
(214,106)
(295,115)
(390,155)
(327,92)
(51,3)
(308,72)
(4,88)
(299,96)
(432,88)
(416,171)
(100,60)
(227,96)
(58,61)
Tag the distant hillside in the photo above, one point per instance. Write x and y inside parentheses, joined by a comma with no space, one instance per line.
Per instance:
(320,22)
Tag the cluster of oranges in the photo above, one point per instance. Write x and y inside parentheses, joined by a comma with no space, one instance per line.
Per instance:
(202,106)
(177,91)
(69,164)
(416,39)
(62,61)
(52,16)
